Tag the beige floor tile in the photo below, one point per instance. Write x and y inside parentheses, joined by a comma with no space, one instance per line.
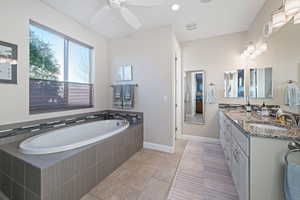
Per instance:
(147,174)
(89,197)
(124,192)
(155,190)
(165,174)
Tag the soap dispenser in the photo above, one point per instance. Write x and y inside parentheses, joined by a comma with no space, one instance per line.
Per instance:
(264,110)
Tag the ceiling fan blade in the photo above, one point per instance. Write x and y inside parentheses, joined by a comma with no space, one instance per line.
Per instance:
(98,14)
(145,2)
(130,18)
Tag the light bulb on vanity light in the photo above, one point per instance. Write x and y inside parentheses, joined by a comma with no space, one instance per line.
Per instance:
(292,7)
(279,18)
(262,47)
(251,48)
(244,55)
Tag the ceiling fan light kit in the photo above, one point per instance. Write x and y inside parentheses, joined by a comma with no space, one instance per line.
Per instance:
(128,16)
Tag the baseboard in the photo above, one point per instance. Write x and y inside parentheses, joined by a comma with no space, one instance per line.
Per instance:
(159,147)
(201,139)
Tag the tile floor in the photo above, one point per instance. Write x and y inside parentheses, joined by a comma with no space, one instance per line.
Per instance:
(203,175)
(150,175)
(147,175)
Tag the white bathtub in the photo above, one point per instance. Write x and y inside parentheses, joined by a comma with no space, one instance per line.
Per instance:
(72,137)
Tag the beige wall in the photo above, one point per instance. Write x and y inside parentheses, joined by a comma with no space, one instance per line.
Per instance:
(283,54)
(215,56)
(14,20)
(151,54)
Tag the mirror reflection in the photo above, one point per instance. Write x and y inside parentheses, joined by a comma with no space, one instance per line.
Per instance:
(194,97)
(234,83)
(261,83)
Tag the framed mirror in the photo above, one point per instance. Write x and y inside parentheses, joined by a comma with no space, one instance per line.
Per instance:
(194,98)
(234,82)
(261,83)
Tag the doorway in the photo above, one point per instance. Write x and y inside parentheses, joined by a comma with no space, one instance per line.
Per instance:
(194,99)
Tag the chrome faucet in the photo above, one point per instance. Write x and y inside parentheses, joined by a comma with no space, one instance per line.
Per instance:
(290,116)
(294,145)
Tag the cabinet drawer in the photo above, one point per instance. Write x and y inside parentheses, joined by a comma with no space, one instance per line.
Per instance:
(241,139)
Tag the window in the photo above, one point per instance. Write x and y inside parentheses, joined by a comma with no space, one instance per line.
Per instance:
(60,71)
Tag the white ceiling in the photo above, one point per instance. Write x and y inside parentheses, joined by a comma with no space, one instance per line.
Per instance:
(217,17)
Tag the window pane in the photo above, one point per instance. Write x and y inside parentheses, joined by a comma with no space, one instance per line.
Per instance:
(79,63)
(46,55)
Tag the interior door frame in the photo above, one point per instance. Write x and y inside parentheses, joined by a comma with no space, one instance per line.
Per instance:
(204,97)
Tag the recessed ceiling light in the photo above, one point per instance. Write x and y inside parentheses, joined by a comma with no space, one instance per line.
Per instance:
(175,7)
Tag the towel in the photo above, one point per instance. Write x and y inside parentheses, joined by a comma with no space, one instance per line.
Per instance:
(128,96)
(211,95)
(292,182)
(117,96)
(292,95)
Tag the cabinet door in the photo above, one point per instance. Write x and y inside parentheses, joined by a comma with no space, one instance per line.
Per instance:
(243,176)
(222,138)
(235,168)
(240,171)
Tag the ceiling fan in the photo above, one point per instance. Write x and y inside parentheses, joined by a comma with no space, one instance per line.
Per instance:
(126,14)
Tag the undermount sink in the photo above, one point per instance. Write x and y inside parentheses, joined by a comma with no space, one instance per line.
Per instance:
(268,126)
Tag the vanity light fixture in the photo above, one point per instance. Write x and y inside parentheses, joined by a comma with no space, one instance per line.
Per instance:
(251,48)
(292,7)
(279,18)
(289,9)
(252,51)
(297,18)
(262,47)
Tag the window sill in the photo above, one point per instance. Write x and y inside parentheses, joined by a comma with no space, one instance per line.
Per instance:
(52,110)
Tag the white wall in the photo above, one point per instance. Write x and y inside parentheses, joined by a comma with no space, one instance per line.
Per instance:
(14,20)
(151,55)
(215,56)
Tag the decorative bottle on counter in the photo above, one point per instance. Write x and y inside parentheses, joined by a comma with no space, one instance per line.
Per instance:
(248,106)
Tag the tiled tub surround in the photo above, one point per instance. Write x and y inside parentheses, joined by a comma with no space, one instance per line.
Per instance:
(13,132)
(67,175)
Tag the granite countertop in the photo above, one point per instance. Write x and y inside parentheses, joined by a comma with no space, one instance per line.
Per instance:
(242,121)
